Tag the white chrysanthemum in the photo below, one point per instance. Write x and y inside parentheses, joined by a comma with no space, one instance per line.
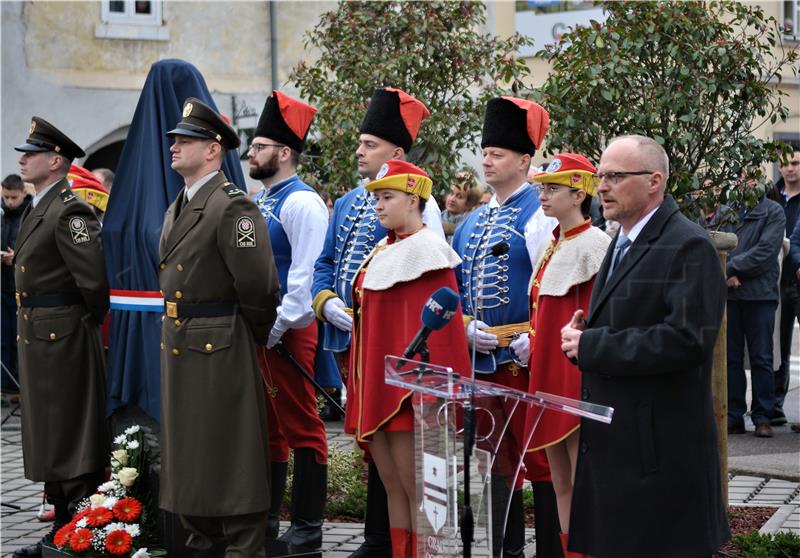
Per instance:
(133,444)
(132,430)
(121,439)
(107,486)
(133,529)
(114,527)
(110,501)
(141,553)
(82,522)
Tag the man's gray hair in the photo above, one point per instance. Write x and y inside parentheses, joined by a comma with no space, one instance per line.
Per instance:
(652,151)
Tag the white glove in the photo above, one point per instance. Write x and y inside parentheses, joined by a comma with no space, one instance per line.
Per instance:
(484,341)
(332,310)
(520,349)
(275,335)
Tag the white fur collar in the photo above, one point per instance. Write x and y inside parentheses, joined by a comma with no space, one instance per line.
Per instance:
(407,259)
(574,261)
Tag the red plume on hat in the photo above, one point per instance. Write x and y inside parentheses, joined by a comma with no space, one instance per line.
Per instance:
(297,114)
(538,119)
(412,111)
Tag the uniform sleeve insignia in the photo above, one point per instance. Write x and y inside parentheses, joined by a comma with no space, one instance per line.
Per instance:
(245,233)
(66,195)
(232,190)
(78,230)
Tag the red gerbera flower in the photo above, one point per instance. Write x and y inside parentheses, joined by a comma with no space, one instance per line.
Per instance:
(80,540)
(63,534)
(128,509)
(119,542)
(97,517)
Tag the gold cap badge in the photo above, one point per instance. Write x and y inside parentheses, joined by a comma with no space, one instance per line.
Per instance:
(33,127)
(187,110)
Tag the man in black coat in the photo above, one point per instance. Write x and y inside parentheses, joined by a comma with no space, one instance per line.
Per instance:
(648,484)
(14,203)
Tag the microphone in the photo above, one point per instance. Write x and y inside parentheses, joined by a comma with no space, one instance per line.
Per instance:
(499,249)
(437,313)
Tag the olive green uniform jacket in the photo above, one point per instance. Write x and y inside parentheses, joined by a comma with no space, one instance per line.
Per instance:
(215,456)
(62,366)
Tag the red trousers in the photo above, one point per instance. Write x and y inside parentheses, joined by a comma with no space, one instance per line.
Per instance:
(291,399)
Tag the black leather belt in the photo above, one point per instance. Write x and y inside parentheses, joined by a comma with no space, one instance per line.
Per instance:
(49,300)
(180,310)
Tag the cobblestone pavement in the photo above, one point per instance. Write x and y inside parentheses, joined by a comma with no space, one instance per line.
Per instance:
(20,526)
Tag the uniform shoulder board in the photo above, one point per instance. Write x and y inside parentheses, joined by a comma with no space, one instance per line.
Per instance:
(66,195)
(232,190)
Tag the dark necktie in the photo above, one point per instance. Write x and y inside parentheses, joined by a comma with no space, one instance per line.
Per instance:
(619,251)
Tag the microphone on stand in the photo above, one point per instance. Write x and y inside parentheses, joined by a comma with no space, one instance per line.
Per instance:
(468,518)
(439,309)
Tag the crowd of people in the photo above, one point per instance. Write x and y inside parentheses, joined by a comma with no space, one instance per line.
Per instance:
(256,286)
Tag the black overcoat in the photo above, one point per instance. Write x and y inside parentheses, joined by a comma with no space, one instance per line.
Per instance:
(648,484)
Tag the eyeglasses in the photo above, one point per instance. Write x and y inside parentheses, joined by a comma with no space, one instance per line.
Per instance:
(615,177)
(256,147)
(550,190)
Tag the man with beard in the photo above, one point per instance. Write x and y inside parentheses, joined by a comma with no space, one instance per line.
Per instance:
(220,293)
(389,128)
(297,219)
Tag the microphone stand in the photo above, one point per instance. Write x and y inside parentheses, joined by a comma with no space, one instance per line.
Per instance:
(467,515)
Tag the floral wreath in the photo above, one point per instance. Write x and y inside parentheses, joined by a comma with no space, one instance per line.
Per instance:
(114,521)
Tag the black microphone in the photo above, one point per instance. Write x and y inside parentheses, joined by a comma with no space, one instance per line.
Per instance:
(499,249)
(437,313)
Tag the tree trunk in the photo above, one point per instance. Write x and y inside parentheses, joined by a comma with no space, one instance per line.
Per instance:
(724,243)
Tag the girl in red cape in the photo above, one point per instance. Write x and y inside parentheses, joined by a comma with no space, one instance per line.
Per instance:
(389,291)
(562,283)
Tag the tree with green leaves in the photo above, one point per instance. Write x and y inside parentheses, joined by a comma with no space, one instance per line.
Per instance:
(699,77)
(434,51)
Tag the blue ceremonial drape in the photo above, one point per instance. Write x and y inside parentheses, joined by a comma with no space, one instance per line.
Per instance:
(144,186)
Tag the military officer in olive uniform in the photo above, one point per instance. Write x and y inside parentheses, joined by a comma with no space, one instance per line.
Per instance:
(62,295)
(221,291)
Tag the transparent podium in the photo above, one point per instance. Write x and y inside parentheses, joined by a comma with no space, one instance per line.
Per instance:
(503,424)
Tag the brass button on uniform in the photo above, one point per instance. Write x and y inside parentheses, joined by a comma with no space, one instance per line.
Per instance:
(52,335)
(22,268)
(17,337)
(180,267)
(162,266)
(176,352)
(24,294)
(25,317)
(178,294)
(162,346)
(177,323)
(209,346)
(27,342)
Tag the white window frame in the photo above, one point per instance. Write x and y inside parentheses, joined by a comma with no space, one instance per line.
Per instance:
(130,25)
(794,16)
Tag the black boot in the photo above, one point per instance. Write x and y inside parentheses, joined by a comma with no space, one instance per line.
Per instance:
(545,511)
(309,491)
(514,537)
(377,541)
(35,550)
(277,487)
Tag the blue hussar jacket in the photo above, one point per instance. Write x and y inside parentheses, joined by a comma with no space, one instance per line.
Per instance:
(352,233)
(494,289)
(270,202)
